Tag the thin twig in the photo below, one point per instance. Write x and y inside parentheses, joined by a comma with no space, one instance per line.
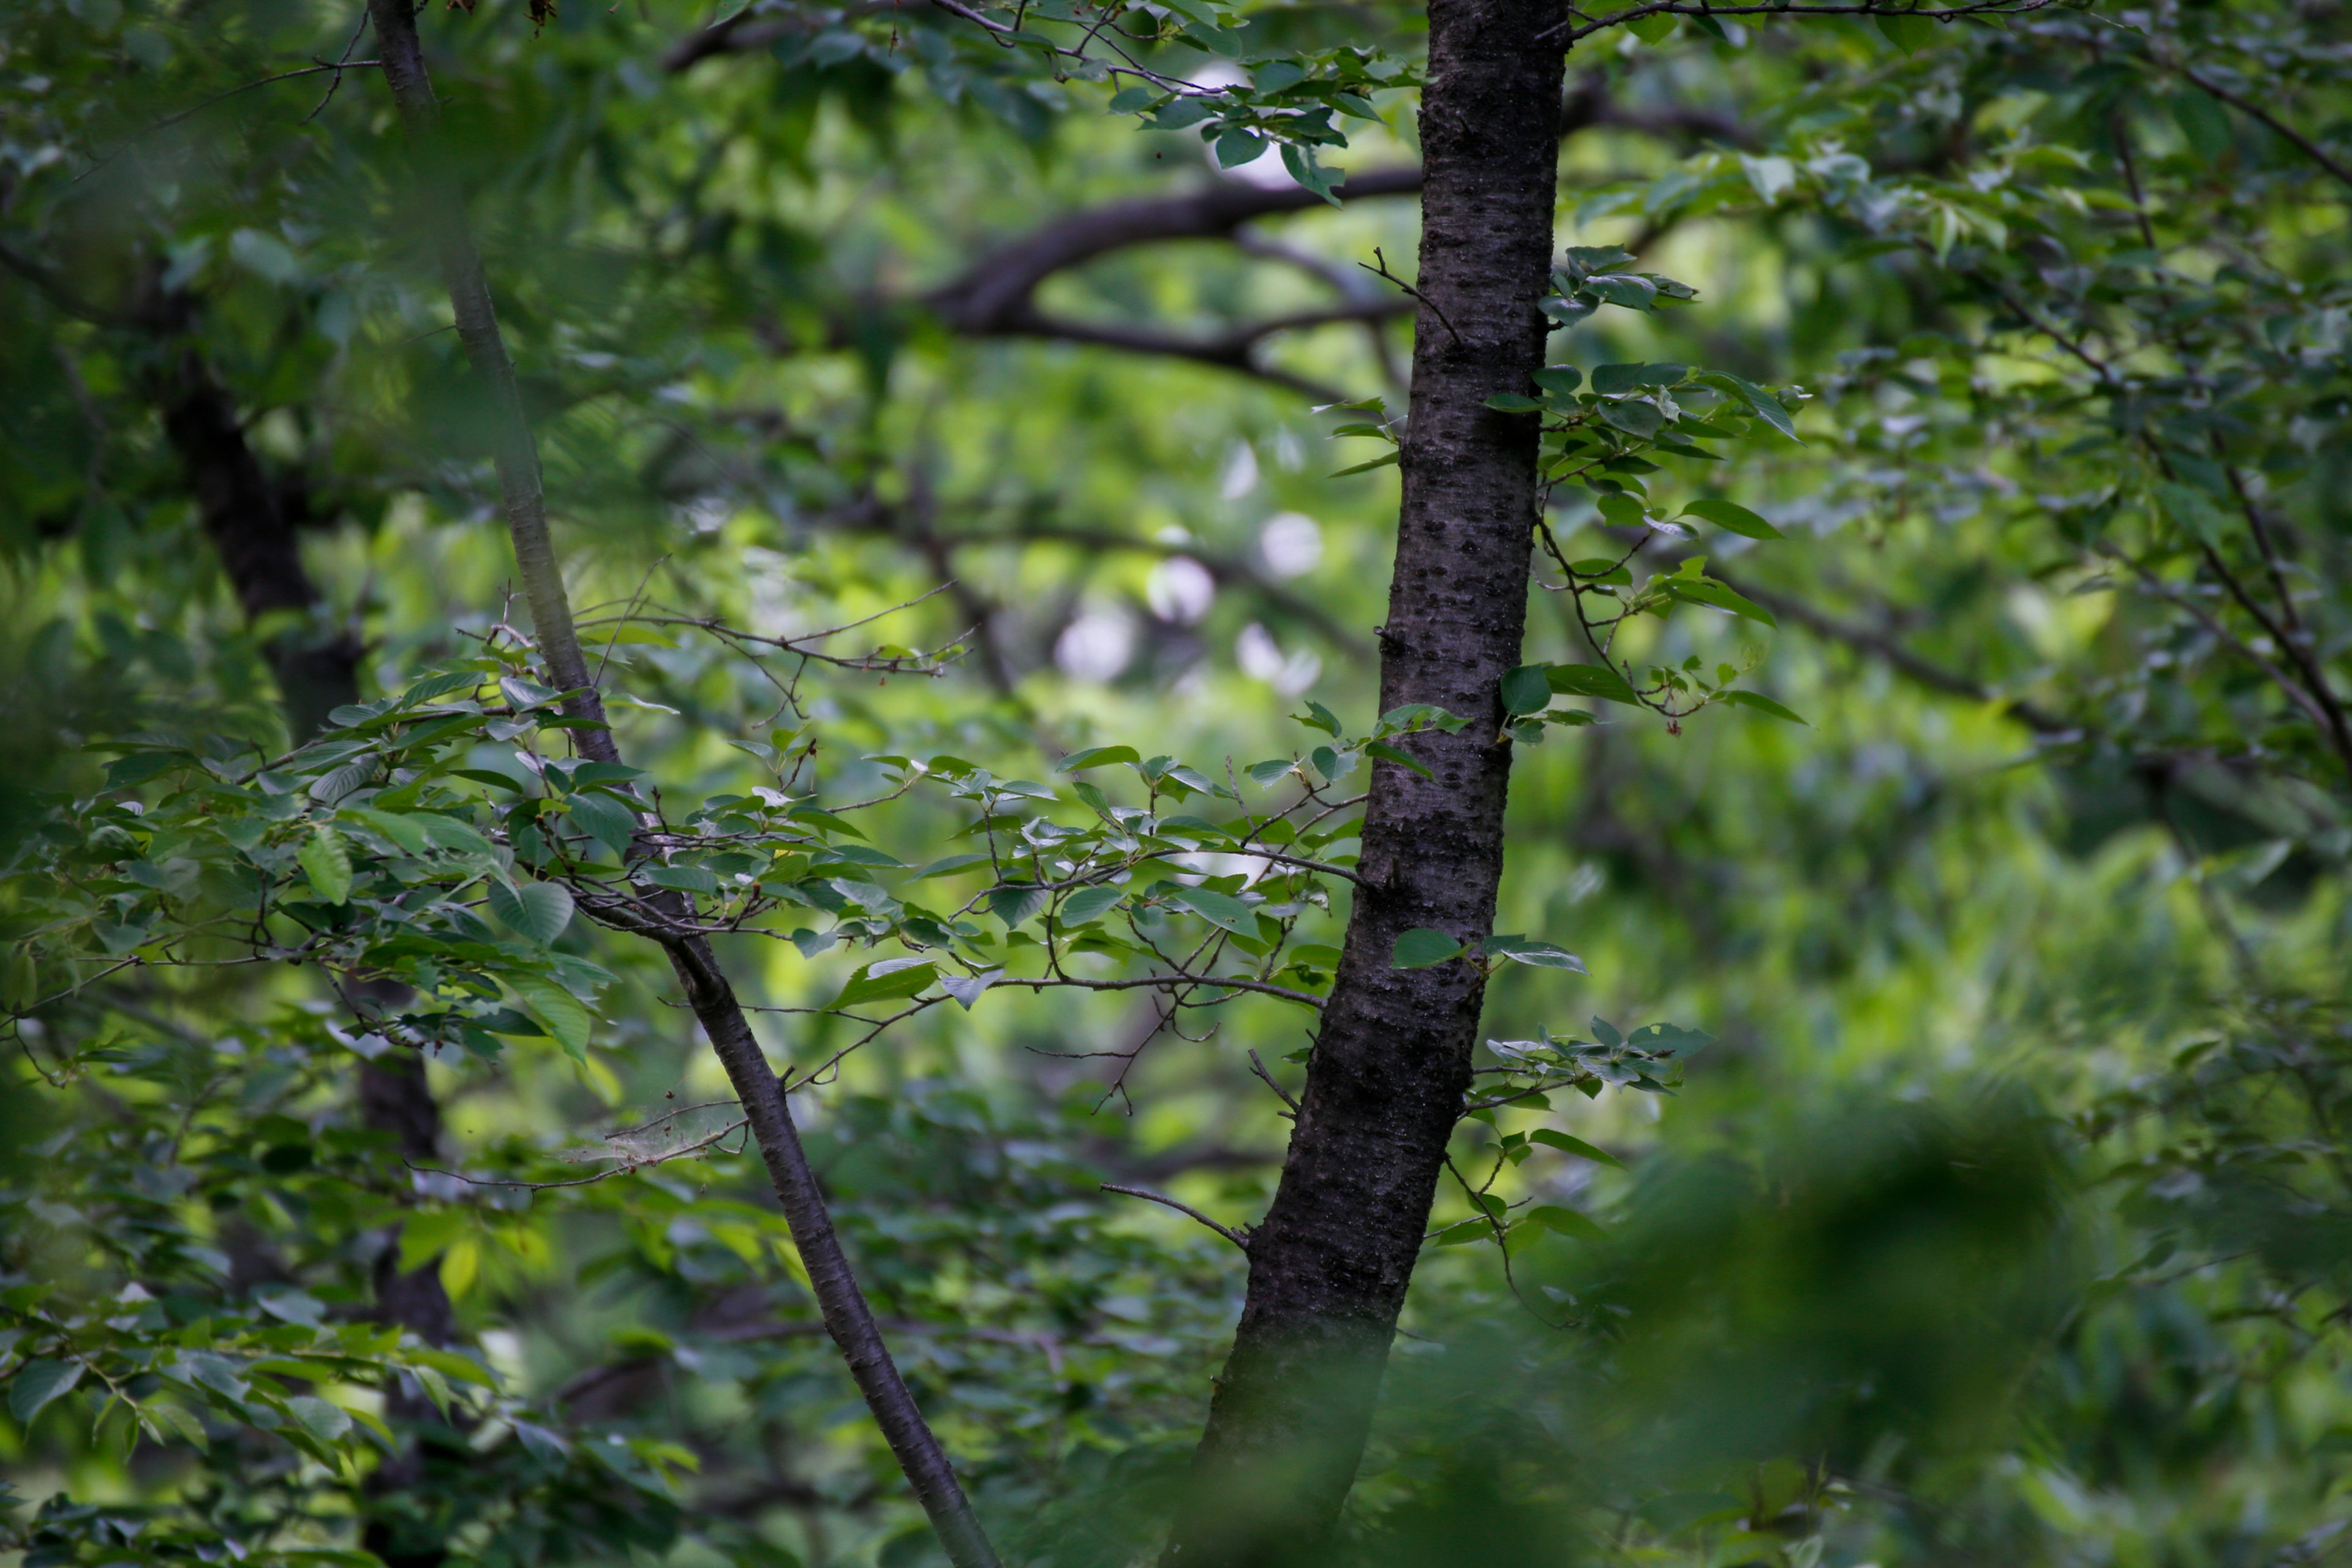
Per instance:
(1237,1237)
(1258,1068)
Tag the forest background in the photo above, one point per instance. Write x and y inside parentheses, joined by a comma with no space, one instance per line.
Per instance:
(1932,1151)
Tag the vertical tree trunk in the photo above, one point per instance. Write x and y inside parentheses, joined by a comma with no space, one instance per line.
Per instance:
(1385,1084)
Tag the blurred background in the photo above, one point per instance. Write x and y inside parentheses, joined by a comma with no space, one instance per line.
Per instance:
(2005,1218)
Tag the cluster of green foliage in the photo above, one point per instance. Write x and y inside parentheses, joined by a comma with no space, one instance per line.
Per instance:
(2007,1213)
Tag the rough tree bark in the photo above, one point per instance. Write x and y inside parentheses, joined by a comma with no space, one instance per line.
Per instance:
(847,1316)
(1386,1080)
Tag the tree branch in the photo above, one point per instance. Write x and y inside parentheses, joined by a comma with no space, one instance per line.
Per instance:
(847,1315)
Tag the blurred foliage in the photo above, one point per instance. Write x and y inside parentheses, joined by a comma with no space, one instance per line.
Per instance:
(2008,1215)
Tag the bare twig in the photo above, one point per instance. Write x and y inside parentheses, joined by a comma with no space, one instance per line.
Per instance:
(1238,1239)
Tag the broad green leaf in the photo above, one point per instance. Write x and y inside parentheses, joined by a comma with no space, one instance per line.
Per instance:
(564,1014)
(1217,908)
(890,980)
(1513,402)
(39,1383)
(1527,690)
(1577,1146)
(1733,515)
(326,861)
(1909,34)
(1763,704)
(1566,1221)
(1714,595)
(1421,947)
(1096,757)
(1589,680)
(1382,461)
(538,910)
(1088,904)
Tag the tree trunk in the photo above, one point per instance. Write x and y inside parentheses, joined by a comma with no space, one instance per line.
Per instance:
(1385,1084)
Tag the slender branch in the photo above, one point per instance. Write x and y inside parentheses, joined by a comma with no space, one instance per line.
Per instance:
(2254,111)
(1571,36)
(1237,1237)
(171,120)
(847,1315)
(1266,1078)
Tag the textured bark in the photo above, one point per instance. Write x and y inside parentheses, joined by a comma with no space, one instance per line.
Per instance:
(1385,1084)
(847,1316)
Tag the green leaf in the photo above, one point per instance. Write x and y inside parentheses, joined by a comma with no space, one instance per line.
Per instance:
(326,861)
(1909,34)
(1629,290)
(540,911)
(1620,510)
(2193,511)
(886,981)
(1388,754)
(1576,1146)
(948,864)
(1761,403)
(1763,704)
(1381,461)
(564,1015)
(1096,757)
(1421,947)
(1559,380)
(1088,905)
(1634,417)
(1512,403)
(1527,690)
(1589,680)
(39,1383)
(1714,595)
(1733,515)
(605,820)
(1015,902)
(327,1423)
(1566,1221)
(1217,908)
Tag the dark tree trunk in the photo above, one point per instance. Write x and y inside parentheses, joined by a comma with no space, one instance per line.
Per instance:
(246,516)
(1385,1084)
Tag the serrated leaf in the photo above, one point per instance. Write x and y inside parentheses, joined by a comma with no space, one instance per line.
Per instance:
(564,1014)
(326,861)
(538,910)
(39,1383)
(1421,947)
